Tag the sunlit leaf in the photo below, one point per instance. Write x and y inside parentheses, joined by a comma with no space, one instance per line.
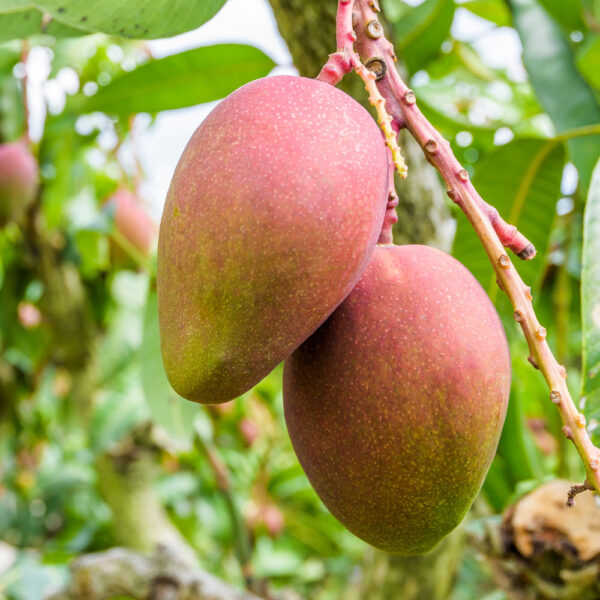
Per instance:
(491,10)
(568,13)
(590,298)
(24,23)
(560,87)
(19,24)
(14,5)
(140,19)
(420,33)
(588,61)
(522,180)
(193,77)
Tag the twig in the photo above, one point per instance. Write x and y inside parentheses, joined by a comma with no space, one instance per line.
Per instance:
(358,23)
(223,480)
(577,489)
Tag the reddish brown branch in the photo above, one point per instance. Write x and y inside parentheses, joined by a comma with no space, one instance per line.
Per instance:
(358,26)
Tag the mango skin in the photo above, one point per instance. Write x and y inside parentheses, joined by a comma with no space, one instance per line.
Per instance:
(273,211)
(18,181)
(396,404)
(134,224)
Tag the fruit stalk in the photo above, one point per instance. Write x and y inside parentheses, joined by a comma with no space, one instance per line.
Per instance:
(358,25)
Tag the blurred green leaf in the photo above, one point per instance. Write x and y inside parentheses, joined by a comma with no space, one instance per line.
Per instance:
(275,558)
(139,19)
(497,486)
(588,60)
(516,447)
(522,180)
(36,578)
(451,125)
(560,87)
(420,32)
(491,10)
(24,23)
(12,114)
(19,24)
(61,30)
(185,79)
(94,252)
(168,409)
(567,13)
(58,152)
(590,297)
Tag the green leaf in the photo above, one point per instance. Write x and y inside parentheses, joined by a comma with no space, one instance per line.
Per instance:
(559,86)
(588,61)
(15,5)
(491,10)
(58,151)
(60,30)
(498,484)
(185,79)
(139,19)
(521,457)
(421,32)
(568,13)
(168,409)
(24,23)
(522,180)
(590,296)
(21,24)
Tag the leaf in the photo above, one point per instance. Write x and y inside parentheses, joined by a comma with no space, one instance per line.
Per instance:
(498,484)
(588,61)
(521,457)
(168,409)
(567,13)
(192,77)
(420,33)
(24,23)
(590,296)
(58,150)
(15,5)
(21,24)
(522,180)
(559,86)
(491,10)
(139,19)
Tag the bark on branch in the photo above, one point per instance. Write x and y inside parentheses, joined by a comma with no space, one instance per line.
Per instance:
(162,576)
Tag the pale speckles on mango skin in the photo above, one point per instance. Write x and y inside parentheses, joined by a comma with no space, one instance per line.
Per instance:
(396,404)
(274,209)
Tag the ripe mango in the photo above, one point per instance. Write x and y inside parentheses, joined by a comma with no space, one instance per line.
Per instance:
(135,228)
(275,206)
(395,405)
(18,181)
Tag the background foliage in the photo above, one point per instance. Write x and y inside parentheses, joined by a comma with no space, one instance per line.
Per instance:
(81,380)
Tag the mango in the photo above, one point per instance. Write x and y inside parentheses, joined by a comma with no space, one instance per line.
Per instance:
(18,181)
(135,228)
(274,209)
(395,405)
